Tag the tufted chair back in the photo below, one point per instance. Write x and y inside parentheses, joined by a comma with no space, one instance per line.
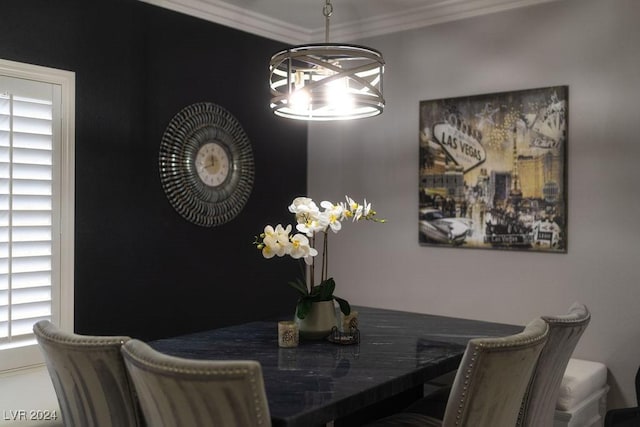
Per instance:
(89,377)
(178,392)
(565,330)
(493,377)
(489,385)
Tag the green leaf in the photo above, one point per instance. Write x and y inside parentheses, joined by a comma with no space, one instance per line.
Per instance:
(345,308)
(326,289)
(303,307)
(316,291)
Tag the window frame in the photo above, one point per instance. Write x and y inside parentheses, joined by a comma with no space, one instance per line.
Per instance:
(62,292)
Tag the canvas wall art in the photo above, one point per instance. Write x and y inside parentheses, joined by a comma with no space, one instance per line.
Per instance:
(493,171)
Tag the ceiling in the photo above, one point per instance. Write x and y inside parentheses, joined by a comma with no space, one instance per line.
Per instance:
(302,21)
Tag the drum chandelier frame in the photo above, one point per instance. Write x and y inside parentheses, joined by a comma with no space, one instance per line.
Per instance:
(321,82)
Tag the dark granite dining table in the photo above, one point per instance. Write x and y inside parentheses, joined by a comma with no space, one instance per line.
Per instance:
(319,381)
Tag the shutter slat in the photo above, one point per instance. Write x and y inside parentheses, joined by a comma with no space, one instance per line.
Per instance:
(29,156)
(25,203)
(30,264)
(31,125)
(26,234)
(28,187)
(35,110)
(31,279)
(25,140)
(27,295)
(31,218)
(34,141)
(39,172)
(30,310)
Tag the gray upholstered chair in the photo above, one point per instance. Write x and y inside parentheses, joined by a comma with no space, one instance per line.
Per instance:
(565,330)
(489,386)
(89,378)
(178,392)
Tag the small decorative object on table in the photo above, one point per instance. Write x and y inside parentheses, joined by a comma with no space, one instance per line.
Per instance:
(350,321)
(287,334)
(352,336)
(311,221)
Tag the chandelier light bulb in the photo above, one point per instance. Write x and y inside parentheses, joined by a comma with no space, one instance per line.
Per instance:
(338,97)
(300,100)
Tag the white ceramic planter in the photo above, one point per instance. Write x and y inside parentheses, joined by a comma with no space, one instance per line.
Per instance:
(319,321)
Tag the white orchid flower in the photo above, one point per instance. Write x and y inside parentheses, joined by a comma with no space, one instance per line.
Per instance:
(333,214)
(276,242)
(307,216)
(303,208)
(282,234)
(366,208)
(313,225)
(354,209)
(300,248)
(301,203)
(267,251)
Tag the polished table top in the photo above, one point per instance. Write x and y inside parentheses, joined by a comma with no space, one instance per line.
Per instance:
(319,381)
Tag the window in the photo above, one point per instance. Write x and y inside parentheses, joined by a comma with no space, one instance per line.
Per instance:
(36,206)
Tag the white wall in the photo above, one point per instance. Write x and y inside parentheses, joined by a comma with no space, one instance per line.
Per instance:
(591,45)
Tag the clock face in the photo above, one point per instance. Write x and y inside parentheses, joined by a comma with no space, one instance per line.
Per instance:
(212,164)
(206,164)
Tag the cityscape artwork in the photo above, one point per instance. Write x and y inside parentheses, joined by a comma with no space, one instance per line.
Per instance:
(493,171)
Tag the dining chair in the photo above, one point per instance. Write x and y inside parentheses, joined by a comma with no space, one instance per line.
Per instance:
(89,377)
(489,385)
(539,404)
(175,391)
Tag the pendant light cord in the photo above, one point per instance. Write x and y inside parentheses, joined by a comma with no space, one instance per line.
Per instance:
(327,11)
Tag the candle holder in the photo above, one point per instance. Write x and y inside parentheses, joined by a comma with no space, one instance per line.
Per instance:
(288,334)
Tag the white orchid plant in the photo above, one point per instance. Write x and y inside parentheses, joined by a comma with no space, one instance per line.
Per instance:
(311,221)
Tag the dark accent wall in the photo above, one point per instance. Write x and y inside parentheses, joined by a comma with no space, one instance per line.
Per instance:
(140,269)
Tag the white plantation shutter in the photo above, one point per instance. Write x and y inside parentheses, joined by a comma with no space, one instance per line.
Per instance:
(31,222)
(26,209)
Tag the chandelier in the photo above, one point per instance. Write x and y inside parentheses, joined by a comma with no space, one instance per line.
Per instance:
(329,81)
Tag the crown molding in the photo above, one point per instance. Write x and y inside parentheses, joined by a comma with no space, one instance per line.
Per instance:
(236,17)
(229,15)
(423,16)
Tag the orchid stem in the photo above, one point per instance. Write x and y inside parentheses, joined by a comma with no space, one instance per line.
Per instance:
(311,267)
(325,258)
